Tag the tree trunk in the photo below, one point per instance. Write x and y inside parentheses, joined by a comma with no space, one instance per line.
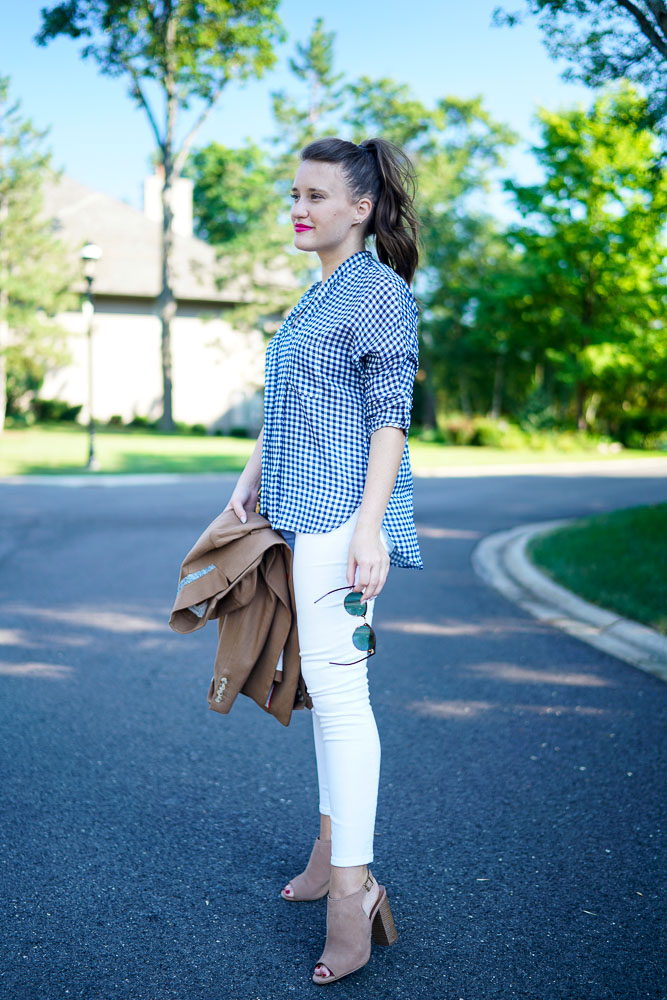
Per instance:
(166,301)
(429,413)
(498,380)
(464,396)
(581,388)
(166,304)
(580,408)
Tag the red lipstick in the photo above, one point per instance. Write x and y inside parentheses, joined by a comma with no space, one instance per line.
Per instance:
(300,228)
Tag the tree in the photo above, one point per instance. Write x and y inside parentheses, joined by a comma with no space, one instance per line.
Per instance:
(33,280)
(594,284)
(455,147)
(241,196)
(299,123)
(190,49)
(234,191)
(607,40)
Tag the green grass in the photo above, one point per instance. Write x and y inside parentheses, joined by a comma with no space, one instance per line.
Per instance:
(61,450)
(616,560)
(58,448)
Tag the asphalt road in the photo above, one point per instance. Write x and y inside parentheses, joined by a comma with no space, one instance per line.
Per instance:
(144,839)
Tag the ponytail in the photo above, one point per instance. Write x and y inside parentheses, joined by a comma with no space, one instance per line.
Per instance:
(380,169)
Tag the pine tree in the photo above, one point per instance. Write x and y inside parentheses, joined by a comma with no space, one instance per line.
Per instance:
(33,279)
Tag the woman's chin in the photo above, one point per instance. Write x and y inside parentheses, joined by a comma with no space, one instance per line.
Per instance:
(303,241)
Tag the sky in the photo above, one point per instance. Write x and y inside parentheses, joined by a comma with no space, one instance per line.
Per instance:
(99,137)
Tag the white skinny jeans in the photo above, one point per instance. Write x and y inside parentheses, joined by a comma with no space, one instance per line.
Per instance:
(347,745)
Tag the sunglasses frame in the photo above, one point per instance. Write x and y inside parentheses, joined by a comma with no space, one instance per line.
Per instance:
(371,651)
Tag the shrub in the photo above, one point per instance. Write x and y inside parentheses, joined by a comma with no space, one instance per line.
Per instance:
(198,429)
(49,410)
(456,428)
(238,432)
(143,422)
(490,433)
(115,420)
(642,429)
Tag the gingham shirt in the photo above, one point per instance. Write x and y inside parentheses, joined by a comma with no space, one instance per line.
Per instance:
(341,365)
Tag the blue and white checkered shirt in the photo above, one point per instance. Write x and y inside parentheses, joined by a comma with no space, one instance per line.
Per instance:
(341,365)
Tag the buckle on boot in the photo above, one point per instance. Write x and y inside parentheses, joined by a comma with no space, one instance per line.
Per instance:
(368,884)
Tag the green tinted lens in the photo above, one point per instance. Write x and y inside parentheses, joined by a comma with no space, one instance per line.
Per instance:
(353,604)
(364,638)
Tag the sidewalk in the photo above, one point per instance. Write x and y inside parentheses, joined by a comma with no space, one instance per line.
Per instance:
(500,559)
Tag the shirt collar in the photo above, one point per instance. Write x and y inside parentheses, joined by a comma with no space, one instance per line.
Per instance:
(350,263)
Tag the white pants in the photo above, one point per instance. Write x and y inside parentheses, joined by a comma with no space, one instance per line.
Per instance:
(347,745)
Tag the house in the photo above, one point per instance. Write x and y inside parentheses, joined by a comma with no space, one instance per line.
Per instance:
(218,371)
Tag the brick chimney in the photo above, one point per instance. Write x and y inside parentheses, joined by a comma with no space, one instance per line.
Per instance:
(181,194)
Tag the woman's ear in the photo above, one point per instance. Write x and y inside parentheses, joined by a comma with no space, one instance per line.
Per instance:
(364,209)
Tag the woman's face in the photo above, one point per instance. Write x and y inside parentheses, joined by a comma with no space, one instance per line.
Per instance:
(323,215)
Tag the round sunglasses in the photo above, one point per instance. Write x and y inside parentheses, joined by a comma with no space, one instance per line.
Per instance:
(363,636)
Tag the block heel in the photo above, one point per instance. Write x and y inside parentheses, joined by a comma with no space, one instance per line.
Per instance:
(351,931)
(384,928)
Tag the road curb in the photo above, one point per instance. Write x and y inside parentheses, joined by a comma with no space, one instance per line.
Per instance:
(500,560)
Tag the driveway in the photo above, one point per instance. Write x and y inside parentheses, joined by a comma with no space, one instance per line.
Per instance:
(145,838)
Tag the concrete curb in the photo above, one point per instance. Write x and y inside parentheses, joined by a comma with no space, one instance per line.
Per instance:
(500,559)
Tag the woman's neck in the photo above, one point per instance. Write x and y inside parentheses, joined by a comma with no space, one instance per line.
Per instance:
(331,259)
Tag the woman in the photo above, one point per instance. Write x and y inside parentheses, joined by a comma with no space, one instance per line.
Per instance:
(334,468)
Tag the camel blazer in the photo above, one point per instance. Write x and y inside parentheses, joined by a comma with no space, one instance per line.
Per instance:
(241,574)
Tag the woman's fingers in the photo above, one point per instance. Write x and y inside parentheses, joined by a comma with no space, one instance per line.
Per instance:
(239,510)
(375,583)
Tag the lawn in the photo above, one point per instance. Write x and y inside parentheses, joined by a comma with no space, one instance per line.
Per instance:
(616,560)
(58,448)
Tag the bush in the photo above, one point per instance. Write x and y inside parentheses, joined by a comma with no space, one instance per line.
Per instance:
(642,429)
(198,429)
(115,420)
(50,410)
(142,422)
(490,433)
(456,428)
(238,432)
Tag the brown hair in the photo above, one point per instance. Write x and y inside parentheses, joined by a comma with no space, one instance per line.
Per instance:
(380,169)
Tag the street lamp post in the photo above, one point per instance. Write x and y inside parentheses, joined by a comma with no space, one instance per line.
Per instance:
(90,255)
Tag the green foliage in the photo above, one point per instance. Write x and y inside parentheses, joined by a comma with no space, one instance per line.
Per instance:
(55,410)
(554,324)
(233,191)
(241,196)
(141,422)
(190,49)
(606,41)
(34,281)
(590,293)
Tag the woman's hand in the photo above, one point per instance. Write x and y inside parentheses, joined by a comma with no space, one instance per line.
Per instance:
(369,554)
(243,499)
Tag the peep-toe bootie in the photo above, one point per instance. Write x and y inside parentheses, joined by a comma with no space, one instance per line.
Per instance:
(313,882)
(350,928)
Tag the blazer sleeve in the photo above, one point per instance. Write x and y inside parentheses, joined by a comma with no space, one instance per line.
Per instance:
(386,352)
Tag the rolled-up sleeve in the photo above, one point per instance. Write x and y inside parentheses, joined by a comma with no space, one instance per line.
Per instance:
(387,355)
